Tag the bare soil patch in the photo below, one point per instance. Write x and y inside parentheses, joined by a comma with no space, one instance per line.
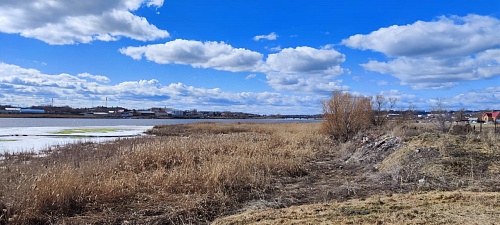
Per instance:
(416,208)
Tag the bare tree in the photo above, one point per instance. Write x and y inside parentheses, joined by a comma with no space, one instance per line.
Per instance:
(459,115)
(441,117)
(407,114)
(382,108)
(345,115)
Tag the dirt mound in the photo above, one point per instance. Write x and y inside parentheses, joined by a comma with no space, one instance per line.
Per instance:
(337,175)
(374,151)
(426,208)
(382,165)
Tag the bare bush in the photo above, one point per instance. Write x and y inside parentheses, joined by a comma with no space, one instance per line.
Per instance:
(382,108)
(407,116)
(460,129)
(345,115)
(441,118)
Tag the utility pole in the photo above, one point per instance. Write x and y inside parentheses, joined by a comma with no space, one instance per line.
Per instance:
(495,126)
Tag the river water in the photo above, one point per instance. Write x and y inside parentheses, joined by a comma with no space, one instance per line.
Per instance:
(68,122)
(35,134)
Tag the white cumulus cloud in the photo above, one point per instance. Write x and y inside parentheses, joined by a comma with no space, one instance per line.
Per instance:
(99,78)
(446,37)
(306,60)
(438,54)
(300,69)
(60,22)
(215,55)
(305,69)
(488,97)
(26,87)
(270,37)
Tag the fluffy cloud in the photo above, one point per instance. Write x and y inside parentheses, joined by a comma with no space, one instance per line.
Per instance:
(306,60)
(60,22)
(446,37)
(98,78)
(305,69)
(304,83)
(215,55)
(478,99)
(270,37)
(301,69)
(25,87)
(437,54)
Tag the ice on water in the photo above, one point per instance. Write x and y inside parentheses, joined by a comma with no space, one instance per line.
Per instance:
(35,139)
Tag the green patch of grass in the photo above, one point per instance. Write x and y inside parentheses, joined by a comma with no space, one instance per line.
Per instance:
(86,130)
(5,140)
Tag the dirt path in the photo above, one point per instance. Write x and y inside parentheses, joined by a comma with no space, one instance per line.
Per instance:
(330,177)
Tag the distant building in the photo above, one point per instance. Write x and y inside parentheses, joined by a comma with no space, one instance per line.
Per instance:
(32,111)
(11,110)
(146,113)
(176,113)
(95,114)
(473,120)
(126,115)
(491,116)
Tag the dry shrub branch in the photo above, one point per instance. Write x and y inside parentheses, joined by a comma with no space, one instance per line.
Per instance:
(345,115)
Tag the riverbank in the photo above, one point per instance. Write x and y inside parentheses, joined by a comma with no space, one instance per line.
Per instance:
(72,116)
(247,173)
(42,116)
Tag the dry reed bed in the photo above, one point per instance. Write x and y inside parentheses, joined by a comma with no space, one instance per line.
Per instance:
(186,174)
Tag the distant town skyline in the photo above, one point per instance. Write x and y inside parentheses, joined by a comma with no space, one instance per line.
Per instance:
(262,57)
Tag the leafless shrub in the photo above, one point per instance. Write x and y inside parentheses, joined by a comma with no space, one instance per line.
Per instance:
(345,115)
(407,116)
(406,132)
(441,118)
(490,141)
(459,129)
(382,108)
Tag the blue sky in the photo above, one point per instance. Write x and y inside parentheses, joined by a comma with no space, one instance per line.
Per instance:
(261,57)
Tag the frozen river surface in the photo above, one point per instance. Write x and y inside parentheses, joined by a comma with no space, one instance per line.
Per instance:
(35,134)
(34,139)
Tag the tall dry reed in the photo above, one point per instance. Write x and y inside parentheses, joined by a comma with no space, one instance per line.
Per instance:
(188,176)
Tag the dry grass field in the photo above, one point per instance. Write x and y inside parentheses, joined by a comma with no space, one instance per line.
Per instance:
(259,174)
(185,174)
